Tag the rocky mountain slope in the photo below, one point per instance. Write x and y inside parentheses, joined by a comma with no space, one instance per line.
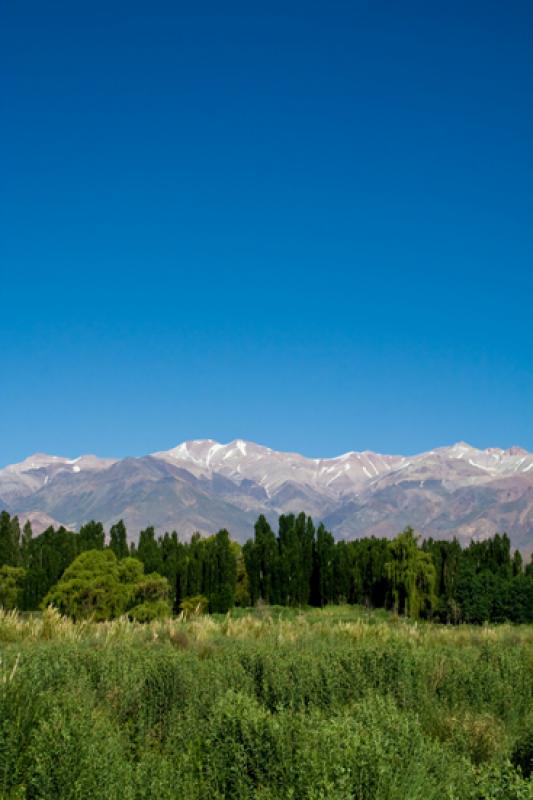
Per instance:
(204,485)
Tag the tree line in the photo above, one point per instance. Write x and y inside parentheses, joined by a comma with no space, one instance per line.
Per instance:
(299,565)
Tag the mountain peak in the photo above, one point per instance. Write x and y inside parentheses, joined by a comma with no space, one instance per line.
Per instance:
(462,446)
(516,450)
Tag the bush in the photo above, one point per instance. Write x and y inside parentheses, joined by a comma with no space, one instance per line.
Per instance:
(522,756)
(149,611)
(194,606)
(99,586)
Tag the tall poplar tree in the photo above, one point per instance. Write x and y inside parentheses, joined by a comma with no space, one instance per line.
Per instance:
(9,540)
(91,536)
(263,561)
(118,540)
(324,581)
(25,544)
(221,573)
(148,551)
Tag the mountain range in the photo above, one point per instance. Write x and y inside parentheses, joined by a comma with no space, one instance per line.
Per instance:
(204,485)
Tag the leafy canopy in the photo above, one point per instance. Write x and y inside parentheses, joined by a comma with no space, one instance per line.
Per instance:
(100,586)
(11,586)
(411,574)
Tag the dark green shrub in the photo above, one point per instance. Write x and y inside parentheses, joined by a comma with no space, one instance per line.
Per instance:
(522,756)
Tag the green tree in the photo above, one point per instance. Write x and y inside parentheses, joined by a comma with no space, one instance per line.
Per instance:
(324,567)
(251,565)
(174,566)
(99,586)
(48,556)
(194,570)
(118,540)
(220,573)
(261,557)
(447,557)
(149,598)
(90,587)
(305,531)
(290,560)
(91,536)
(25,544)
(518,563)
(9,540)
(149,551)
(520,599)
(344,575)
(242,592)
(411,575)
(11,586)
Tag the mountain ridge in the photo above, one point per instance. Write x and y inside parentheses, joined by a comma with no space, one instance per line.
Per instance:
(204,485)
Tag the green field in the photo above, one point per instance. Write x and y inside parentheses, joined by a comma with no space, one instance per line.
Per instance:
(273,703)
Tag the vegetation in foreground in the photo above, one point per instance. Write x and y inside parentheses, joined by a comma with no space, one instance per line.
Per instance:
(336,703)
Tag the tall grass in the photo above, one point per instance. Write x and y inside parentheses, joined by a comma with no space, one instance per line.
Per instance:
(339,703)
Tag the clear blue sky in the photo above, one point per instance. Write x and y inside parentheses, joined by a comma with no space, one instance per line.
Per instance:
(305,224)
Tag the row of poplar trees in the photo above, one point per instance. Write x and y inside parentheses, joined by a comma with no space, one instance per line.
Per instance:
(297,566)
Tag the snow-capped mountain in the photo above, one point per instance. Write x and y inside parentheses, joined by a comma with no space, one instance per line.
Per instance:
(271,469)
(204,485)
(35,472)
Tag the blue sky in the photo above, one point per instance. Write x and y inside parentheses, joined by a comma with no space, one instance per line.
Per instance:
(305,224)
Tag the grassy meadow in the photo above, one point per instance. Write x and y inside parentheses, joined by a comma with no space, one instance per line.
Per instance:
(338,703)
